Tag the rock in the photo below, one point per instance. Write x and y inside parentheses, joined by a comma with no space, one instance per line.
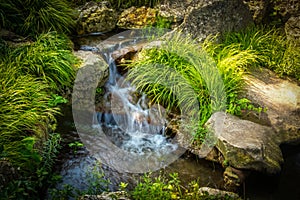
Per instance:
(258,9)
(92,73)
(107,196)
(7,173)
(292,29)
(174,11)
(282,100)
(215,17)
(286,8)
(91,59)
(233,178)
(96,17)
(137,17)
(217,194)
(245,144)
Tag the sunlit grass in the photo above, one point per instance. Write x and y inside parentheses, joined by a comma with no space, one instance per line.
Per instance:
(273,49)
(49,59)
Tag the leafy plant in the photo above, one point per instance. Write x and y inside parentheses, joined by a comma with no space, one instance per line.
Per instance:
(34,168)
(75,145)
(168,188)
(96,180)
(56,99)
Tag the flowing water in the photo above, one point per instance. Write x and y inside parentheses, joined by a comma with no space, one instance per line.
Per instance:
(133,126)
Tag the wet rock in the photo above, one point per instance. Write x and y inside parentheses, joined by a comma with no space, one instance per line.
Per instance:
(96,17)
(217,194)
(137,17)
(107,196)
(244,144)
(282,100)
(292,29)
(217,16)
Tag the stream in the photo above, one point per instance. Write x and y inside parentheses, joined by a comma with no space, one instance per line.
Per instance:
(131,129)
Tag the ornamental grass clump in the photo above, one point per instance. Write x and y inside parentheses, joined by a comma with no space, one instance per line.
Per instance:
(274,51)
(49,59)
(33,17)
(182,73)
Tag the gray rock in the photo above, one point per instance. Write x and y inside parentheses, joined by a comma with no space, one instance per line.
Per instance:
(282,100)
(258,9)
(92,73)
(292,29)
(245,144)
(91,59)
(107,196)
(215,193)
(215,17)
(96,17)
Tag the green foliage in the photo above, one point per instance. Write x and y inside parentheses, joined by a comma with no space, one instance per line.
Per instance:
(33,167)
(162,22)
(96,180)
(35,16)
(272,49)
(49,58)
(181,73)
(28,75)
(24,106)
(168,188)
(56,99)
(75,145)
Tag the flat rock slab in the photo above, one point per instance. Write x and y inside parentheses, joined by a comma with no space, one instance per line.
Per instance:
(245,144)
(282,100)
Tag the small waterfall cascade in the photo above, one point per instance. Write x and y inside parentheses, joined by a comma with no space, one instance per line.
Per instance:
(128,119)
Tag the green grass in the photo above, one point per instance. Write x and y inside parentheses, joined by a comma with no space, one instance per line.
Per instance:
(36,16)
(197,79)
(49,59)
(30,77)
(273,50)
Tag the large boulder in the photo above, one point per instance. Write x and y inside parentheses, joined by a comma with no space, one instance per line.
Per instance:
(281,98)
(215,17)
(92,73)
(96,17)
(245,144)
